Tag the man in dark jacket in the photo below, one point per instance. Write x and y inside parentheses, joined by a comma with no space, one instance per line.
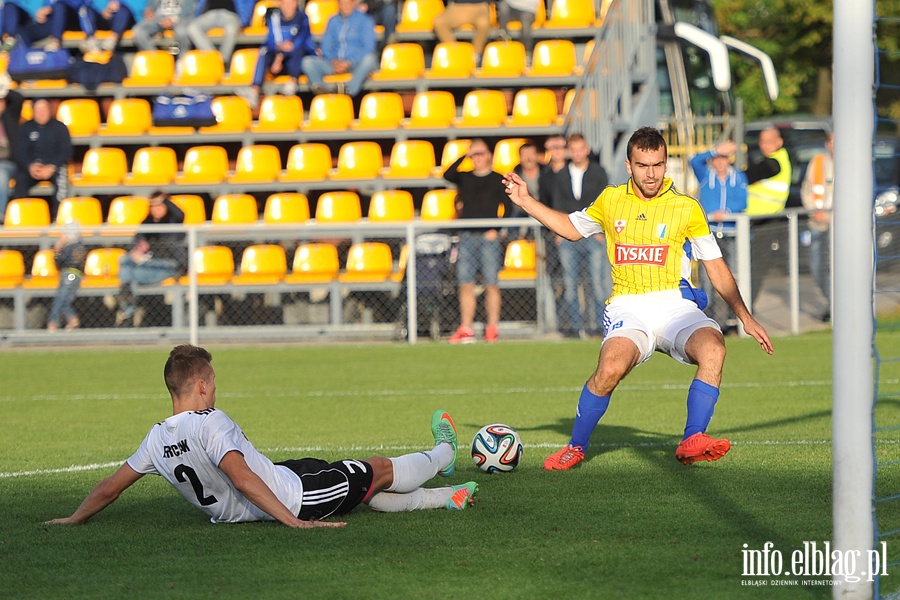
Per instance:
(43,154)
(10,113)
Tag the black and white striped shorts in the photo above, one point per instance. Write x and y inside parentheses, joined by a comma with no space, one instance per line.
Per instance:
(330,488)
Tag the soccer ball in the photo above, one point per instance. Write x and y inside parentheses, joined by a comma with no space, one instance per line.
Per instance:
(497,448)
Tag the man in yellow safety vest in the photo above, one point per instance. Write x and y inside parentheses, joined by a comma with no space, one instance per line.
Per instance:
(770,180)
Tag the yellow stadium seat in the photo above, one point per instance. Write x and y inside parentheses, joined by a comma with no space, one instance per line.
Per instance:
(127,116)
(519,261)
(154,165)
(232,115)
(307,162)
(391,205)
(483,108)
(101,268)
(214,265)
(418,15)
(535,107)
(128,210)
(432,109)
(257,164)
(552,58)
(368,262)
(199,68)
(80,115)
(192,206)
(286,208)
(410,159)
(502,59)
(233,209)
(571,14)
(452,60)
(257,25)
(585,57)
(25,213)
(506,154)
(319,12)
(380,110)
(358,160)
(438,205)
(404,61)
(102,166)
(338,207)
(241,67)
(329,112)
(12,269)
(567,104)
(203,164)
(453,149)
(279,114)
(400,273)
(84,210)
(261,264)
(151,68)
(44,274)
(314,263)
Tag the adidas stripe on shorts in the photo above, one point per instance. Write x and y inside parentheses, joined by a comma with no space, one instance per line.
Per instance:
(330,488)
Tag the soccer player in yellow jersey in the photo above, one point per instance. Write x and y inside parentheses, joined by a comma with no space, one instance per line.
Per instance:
(646,222)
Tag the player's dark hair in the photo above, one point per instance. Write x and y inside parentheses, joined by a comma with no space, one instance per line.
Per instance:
(646,138)
(186,364)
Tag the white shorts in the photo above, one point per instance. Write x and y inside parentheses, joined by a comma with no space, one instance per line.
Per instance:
(658,321)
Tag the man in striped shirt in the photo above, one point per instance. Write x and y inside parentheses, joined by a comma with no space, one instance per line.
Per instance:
(652,231)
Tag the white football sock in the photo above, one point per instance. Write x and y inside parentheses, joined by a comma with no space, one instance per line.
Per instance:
(412,470)
(418,499)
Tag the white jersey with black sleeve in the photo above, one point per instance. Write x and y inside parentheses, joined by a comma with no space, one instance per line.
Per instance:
(186,450)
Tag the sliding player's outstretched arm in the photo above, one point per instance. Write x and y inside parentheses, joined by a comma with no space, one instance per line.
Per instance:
(104,493)
(554,220)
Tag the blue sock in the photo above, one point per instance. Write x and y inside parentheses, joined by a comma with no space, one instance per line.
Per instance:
(701,402)
(590,408)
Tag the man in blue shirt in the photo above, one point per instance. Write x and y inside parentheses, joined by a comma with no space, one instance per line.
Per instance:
(348,46)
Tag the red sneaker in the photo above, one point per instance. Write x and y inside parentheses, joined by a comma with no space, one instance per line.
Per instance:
(701,447)
(463,335)
(565,459)
(491,334)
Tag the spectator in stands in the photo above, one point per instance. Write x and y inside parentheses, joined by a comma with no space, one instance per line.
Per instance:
(113,15)
(569,190)
(348,46)
(479,196)
(10,114)
(43,153)
(288,41)
(154,256)
(555,145)
(64,16)
(465,12)
(523,11)
(385,13)
(69,256)
(817,194)
(229,15)
(165,15)
(26,19)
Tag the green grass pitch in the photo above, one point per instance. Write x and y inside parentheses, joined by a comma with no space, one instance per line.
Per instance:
(629,522)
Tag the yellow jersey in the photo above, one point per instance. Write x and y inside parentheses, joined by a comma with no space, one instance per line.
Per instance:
(646,239)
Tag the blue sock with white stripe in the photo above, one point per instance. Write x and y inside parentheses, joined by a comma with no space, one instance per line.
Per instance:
(590,408)
(701,402)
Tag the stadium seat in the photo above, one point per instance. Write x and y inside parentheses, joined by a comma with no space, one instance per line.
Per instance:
(534,107)
(398,275)
(506,154)
(286,208)
(358,160)
(319,12)
(84,210)
(26,213)
(261,264)
(232,115)
(391,205)
(192,206)
(502,59)
(483,108)
(257,25)
(102,166)
(234,209)
(80,115)
(279,114)
(379,110)
(453,149)
(552,58)
(452,60)
(418,16)
(257,164)
(154,165)
(307,162)
(432,109)
(44,274)
(242,67)
(203,164)
(214,265)
(151,68)
(332,112)
(12,269)
(128,210)
(569,14)
(567,104)
(519,261)
(585,57)
(338,207)
(438,205)
(314,263)
(199,68)
(402,61)
(368,262)
(101,268)
(127,116)
(410,159)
